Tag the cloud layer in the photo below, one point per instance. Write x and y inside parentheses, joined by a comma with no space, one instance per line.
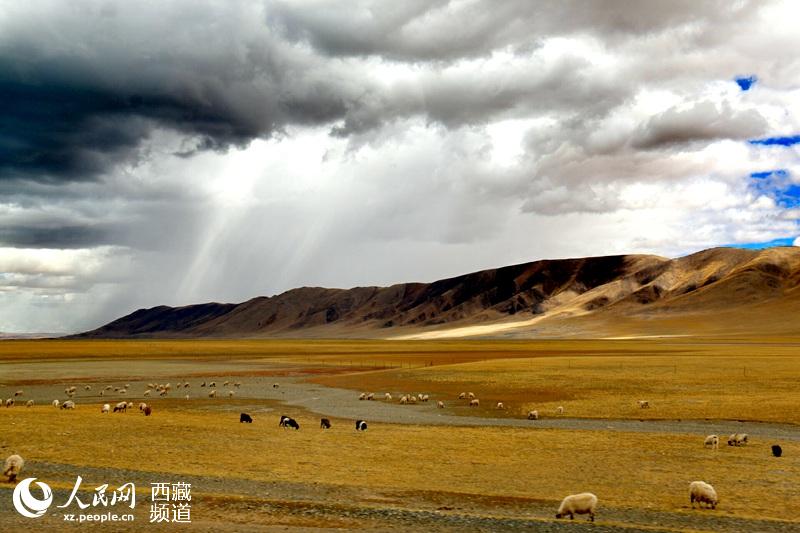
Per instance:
(173,153)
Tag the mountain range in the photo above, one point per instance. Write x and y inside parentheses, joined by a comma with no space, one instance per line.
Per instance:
(720,291)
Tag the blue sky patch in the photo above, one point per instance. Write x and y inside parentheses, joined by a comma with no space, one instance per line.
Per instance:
(745,82)
(780,173)
(788,140)
(787,241)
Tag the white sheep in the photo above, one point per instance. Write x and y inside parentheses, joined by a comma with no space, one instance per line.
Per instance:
(462,396)
(412,399)
(29,403)
(499,405)
(533,415)
(474,402)
(737,439)
(130,405)
(559,410)
(362,396)
(18,393)
(226,383)
(237,384)
(371,396)
(69,404)
(10,402)
(212,394)
(55,403)
(142,405)
(403,400)
(87,387)
(102,393)
(387,397)
(105,409)
(644,404)
(230,394)
(147,392)
(701,492)
(12,467)
(712,441)
(471,395)
(424,397)
(583,503)
(440,404)
(121,406)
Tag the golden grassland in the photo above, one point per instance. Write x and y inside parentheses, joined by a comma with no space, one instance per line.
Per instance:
(681,378)
(625,469)
(730,387)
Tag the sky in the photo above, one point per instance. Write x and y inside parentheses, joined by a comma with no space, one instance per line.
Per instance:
(190,151)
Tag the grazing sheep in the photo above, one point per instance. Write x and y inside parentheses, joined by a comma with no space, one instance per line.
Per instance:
(474,403)
(362,396)
(29,403)
(142,405)
(230,394)
(147,392)
(412,399)
(387,397)
(151,386)
(275,385)
(371,396)
(712,441)
(226,383)
(499,405)
(69,404)
(287,422)
(105,409)
(12,467)
(130,405)
(533,415)
(777,451)
(462,396)
(244,417)
(203,384)
(163,392)
(108,387)
(644,404)
(737,439)
(212,384)
(424,397)
(440,404)
(10,402)
(237,384)
(87,387)
(147,410)
(471,395)
(361,425)
(701,492)
(102,393)
(403,400)
(324,423)
(559,410)
(121,406)
(55,403)
(18,393)
(212,394)
(123,391)
(583,503)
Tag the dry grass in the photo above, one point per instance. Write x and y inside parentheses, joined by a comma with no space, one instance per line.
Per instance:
(723,387)
(624,469)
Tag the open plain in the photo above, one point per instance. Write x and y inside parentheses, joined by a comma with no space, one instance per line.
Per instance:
(417,467)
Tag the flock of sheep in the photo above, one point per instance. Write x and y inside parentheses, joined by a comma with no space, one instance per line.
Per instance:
(575,504)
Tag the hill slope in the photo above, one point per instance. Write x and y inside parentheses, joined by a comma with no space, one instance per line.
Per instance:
(721,290)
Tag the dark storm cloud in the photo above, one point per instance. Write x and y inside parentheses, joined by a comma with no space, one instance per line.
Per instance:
(54,237)
(702,122)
